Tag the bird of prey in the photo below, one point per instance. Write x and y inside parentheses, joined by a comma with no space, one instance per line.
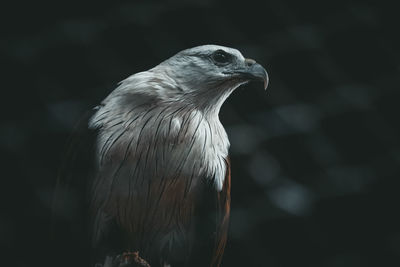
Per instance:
(161,179)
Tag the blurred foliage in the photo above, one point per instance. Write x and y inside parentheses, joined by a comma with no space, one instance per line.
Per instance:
(315,159)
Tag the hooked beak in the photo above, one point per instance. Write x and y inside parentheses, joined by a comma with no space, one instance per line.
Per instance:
(254,72)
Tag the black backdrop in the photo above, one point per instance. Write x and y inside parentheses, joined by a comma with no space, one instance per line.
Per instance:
(314,159)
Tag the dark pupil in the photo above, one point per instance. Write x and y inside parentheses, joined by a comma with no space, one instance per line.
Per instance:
(221,57)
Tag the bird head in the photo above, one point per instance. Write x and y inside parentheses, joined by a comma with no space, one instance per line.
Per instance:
(208,74)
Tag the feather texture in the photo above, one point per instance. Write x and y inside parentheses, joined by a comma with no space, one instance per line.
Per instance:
(153,160)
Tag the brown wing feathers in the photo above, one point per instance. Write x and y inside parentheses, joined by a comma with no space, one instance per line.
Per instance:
(223,211)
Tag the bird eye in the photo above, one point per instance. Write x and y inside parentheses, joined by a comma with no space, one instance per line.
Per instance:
(221,57)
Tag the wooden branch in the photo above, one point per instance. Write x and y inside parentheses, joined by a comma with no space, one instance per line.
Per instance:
(126,259)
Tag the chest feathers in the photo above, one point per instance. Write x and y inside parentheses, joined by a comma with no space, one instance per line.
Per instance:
(162,142)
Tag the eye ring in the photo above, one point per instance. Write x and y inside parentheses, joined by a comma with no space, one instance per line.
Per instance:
(220,57)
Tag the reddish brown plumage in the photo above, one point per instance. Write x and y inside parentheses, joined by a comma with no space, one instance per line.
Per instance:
(223,207)
(167,210)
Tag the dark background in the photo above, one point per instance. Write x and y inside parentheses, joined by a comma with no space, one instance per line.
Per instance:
(315,159)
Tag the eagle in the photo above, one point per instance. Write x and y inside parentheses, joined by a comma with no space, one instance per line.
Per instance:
(161,180)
